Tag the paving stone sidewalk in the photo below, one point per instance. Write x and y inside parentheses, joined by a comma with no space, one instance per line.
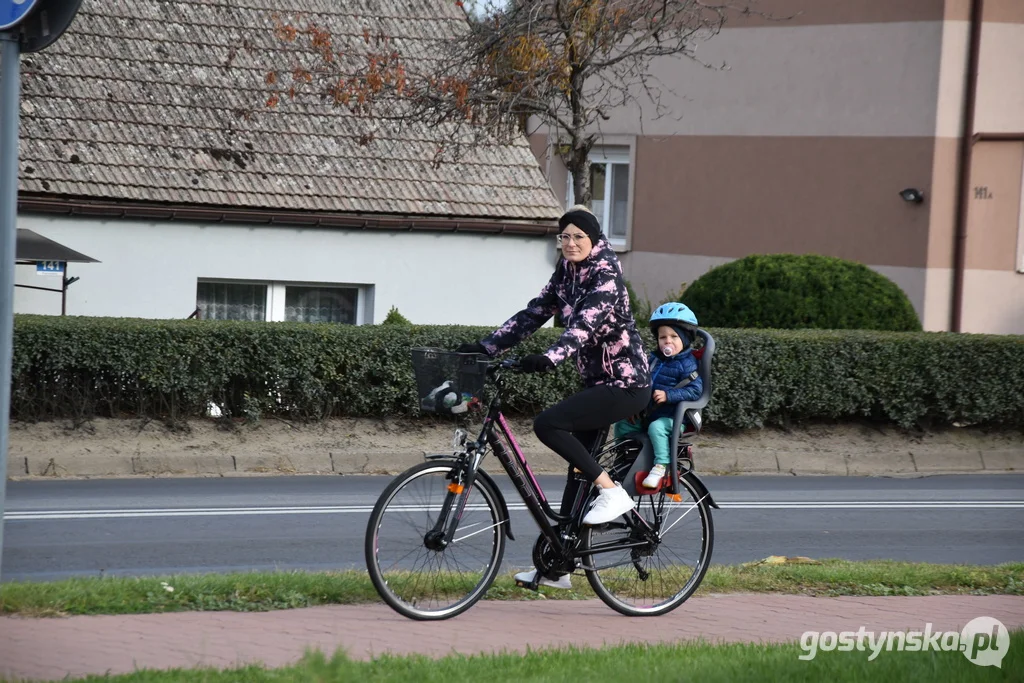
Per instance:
(55,648)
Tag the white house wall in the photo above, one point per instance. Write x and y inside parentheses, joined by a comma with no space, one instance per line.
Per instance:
(150,269)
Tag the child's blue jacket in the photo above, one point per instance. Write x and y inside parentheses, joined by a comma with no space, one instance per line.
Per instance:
(666,374)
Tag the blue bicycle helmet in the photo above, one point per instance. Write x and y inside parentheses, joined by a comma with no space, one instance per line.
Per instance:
(674,314)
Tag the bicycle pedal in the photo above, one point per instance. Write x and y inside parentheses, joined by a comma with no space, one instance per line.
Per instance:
(529,585)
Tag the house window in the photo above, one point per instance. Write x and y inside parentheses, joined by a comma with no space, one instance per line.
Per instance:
(231,301)
(280,301)
(609,190)
(321,304)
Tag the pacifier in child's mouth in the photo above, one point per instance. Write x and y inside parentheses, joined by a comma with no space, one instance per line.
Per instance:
(667,350)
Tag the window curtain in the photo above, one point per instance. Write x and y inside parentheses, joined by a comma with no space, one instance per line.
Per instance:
(226,301)
(320,305)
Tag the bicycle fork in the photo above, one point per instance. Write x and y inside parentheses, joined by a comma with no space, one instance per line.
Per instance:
(460,485)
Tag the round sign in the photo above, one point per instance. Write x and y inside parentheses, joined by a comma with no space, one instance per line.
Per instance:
(13,11)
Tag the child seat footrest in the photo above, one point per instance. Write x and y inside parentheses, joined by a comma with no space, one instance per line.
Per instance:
(642,490)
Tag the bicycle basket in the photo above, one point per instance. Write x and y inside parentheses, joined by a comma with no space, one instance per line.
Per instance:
(448,383)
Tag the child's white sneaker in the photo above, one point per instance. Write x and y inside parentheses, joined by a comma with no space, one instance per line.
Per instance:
(528,577)
(610,504)
(653,479)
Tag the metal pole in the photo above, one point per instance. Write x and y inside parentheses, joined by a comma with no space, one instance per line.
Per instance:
(10,87)
(64,291)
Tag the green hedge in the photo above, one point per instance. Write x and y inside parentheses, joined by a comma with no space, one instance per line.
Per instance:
(84,367)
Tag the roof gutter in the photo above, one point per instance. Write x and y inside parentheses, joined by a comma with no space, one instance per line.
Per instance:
(967,140)
(308,219)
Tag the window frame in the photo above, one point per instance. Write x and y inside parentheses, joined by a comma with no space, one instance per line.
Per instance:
(609,156)
(280,293)
(274,309)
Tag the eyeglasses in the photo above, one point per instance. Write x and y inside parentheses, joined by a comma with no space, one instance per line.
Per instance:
(565,236)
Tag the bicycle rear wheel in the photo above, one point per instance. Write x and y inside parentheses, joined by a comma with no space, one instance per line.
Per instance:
(411,572)
(654,564)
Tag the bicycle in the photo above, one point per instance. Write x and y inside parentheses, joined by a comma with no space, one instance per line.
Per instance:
(436,536)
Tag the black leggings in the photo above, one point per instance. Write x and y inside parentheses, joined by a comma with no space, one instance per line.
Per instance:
(585,413)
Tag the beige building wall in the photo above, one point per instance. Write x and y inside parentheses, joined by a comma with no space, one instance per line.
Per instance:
(945,188)
(993,284)
(993,280)
(803,143)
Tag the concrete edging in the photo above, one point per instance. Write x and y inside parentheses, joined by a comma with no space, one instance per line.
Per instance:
(118,448)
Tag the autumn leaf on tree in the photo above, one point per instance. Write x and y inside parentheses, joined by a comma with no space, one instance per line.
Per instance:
(509,67)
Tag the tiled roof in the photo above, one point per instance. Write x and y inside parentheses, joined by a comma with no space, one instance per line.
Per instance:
(164,101)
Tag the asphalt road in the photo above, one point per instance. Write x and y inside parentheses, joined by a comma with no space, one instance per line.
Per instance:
(56,529)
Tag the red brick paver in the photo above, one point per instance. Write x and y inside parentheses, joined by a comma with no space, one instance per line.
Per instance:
(50,649)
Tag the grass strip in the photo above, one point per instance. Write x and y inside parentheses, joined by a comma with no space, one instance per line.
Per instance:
(264,591)
(695,661)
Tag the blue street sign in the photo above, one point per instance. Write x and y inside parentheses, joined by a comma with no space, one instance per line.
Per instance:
(13,11)
(49,267)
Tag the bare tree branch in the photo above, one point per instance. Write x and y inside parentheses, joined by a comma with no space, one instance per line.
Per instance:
(564,63)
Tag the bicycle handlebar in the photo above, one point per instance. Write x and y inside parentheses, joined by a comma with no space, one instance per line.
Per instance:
(494,365)
(507,364)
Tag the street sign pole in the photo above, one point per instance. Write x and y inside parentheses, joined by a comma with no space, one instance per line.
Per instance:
(10,87)
(25,26)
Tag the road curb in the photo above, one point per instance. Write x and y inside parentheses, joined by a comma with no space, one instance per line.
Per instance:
(120,448)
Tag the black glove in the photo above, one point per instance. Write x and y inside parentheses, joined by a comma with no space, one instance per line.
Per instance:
(472,347)
(536,362)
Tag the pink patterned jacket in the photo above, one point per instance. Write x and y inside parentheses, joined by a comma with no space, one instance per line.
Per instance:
(599,327)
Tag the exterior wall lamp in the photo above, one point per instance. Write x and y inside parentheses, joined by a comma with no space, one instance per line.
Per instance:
(912,194)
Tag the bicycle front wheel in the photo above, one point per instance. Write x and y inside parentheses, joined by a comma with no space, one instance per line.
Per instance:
(411,571)
(653,565)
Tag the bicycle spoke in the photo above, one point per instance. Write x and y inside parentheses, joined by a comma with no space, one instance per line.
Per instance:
(688,511)
(456,540)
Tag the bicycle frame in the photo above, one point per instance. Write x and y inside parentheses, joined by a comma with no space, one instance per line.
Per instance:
(525,482)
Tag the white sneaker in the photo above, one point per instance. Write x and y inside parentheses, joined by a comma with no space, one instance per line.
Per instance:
(610,504)
(530,575)
(653,479)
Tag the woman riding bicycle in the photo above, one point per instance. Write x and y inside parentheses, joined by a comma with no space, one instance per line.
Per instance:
(588,290)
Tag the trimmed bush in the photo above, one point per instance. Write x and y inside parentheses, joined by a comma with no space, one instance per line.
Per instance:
(786,291)
(395,318)
(79,368)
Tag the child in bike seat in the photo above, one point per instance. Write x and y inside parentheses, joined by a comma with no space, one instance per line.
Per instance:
(674,378)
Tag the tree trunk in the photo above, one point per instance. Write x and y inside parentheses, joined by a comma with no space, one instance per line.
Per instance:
(578,163)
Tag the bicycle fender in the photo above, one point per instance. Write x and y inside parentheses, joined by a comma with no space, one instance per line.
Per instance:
(501,500)
(698,486)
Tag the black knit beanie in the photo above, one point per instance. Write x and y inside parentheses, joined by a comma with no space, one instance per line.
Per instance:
(585,221)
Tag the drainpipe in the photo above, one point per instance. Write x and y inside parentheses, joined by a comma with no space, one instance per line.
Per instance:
(964,180)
